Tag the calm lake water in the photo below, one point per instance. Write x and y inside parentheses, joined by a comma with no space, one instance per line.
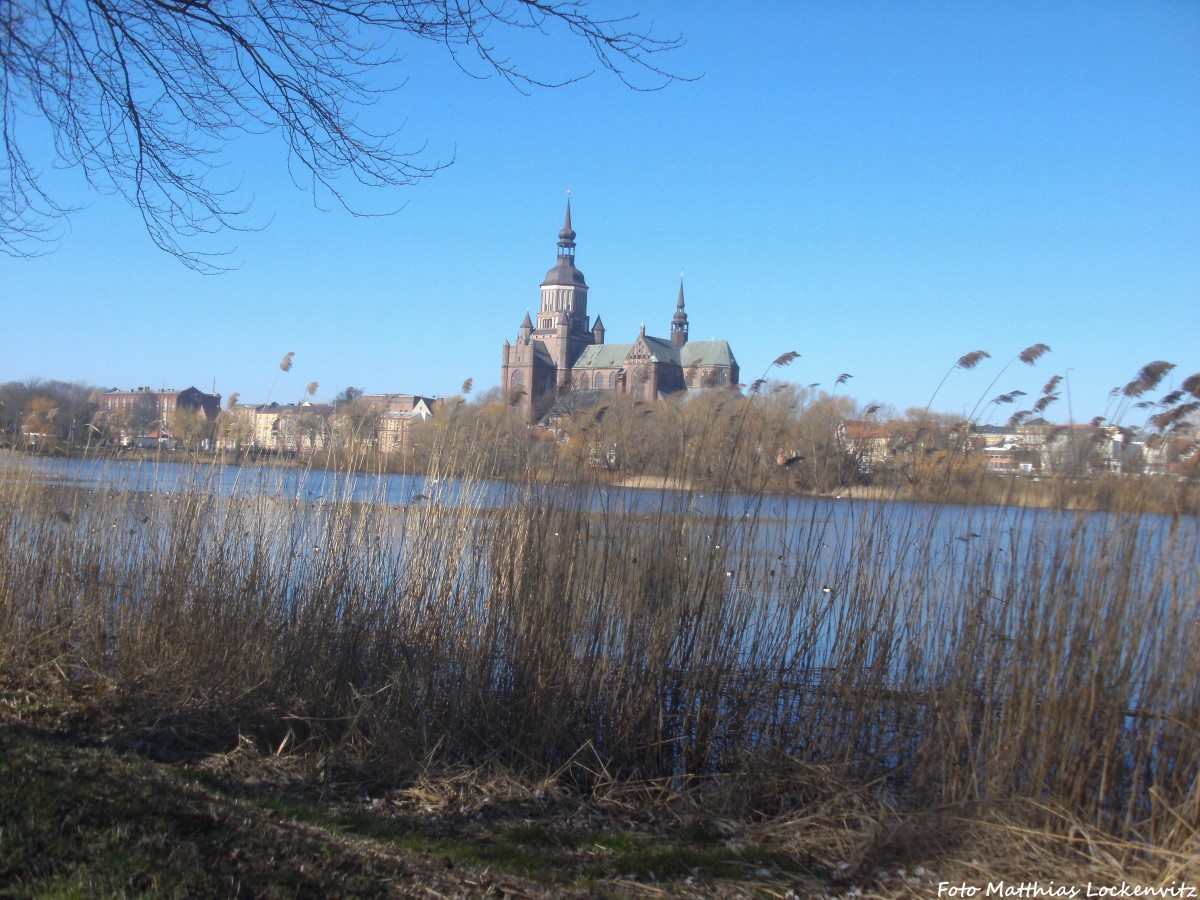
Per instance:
(396,489)
(809,571)
(759,535)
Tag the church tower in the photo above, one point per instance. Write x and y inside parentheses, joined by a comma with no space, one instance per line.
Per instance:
(540,361)
(679,322)
(564,300)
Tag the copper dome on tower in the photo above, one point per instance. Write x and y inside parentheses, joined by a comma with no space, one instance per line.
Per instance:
(564,272)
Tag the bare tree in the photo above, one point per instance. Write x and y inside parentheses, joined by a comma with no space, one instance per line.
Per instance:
(144,415)
(72,405)
(144,95)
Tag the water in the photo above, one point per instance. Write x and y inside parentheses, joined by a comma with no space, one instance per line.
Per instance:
(787,552)
(840,518)
(800,579)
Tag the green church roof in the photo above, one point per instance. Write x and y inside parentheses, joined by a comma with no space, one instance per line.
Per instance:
(693,353)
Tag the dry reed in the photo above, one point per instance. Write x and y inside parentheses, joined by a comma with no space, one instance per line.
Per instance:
(1045,663)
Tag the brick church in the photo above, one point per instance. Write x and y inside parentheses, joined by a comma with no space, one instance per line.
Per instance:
(563,350)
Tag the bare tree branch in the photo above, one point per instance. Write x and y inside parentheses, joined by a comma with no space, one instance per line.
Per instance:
(144,96)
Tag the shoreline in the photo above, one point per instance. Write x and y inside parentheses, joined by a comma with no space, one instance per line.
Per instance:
(1106,495)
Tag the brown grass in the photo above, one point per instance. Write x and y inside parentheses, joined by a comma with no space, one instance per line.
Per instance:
(1032,689)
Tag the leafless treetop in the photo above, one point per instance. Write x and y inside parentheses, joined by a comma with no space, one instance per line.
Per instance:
(144,95)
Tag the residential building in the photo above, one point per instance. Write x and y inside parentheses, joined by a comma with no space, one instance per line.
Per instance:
(402,403)
(381,421)
(867,442)
(276,427)
(164,400)
(396,424)
(144,413)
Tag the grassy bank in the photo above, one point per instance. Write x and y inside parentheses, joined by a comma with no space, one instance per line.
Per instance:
(875,692)
(93,813)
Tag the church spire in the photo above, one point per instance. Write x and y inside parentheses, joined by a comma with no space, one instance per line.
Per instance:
(679,321)
(564,273)
(566,237)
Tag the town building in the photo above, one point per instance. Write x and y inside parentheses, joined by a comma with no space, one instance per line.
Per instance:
(143,414)
(1075,450)
(395,424)
(276,427)
(868,443)
(563,350)
(422,406)
(164,401)
(379,421)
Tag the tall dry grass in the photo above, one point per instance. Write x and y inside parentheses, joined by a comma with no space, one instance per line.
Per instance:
(1044,660)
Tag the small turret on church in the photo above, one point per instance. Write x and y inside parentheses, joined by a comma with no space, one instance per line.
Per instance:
(679,322)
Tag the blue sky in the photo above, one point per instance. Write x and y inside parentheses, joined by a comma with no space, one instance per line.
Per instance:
(882,187)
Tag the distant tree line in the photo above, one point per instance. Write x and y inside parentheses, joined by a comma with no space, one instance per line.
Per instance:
(772,435)
(59,413)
